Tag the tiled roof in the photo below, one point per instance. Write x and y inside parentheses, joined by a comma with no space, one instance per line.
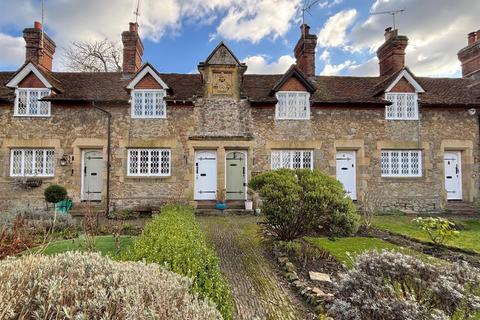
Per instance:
(258,88)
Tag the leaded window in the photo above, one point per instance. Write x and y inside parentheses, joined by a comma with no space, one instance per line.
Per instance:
(292,105)
(292,159)
(149,162)
(28,104)
(148,104)
(401,163)
(32,162)
(404,106)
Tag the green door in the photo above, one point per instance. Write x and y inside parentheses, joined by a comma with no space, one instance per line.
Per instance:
(236,174)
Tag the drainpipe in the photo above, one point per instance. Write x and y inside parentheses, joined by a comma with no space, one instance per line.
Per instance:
(109,154)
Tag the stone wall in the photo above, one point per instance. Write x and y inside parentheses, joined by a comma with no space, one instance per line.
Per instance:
(224,124)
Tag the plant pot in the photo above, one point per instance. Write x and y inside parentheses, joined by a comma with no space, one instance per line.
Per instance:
(221,206)
(248,205)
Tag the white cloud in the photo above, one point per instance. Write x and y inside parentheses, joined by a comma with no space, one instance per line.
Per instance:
(325,56)
(249,20)
(258,64)
(329,4)
(12,49)
(254,20)
(436,30)
(334,31)
(335,69)
(367,69)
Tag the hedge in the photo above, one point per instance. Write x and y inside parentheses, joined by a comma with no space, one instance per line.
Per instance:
(174,239)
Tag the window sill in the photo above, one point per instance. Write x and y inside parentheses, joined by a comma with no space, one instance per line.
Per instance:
(30,116)
(403,179)
(150,178)
(398,119)
(294,119)
(43,178)
(149,118)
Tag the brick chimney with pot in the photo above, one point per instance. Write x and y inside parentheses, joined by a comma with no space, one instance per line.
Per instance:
(132,49)
(39,47)
(391,54)
(305,51)
(470,56)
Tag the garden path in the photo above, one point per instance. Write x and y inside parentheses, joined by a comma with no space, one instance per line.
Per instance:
(259,292)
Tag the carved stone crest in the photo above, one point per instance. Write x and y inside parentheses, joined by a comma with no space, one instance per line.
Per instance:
(222,83)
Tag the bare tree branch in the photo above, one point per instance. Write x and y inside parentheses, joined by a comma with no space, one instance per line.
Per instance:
(93,56)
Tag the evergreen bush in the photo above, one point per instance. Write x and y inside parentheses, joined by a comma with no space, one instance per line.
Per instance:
(55,193)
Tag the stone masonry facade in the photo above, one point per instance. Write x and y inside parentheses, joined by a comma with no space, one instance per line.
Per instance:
(223,109)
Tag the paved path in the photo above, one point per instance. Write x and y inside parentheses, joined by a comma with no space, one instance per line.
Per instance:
(258,291)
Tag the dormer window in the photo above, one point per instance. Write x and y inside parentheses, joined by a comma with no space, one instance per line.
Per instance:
(294,105)
(404,106)
(148,103)
(28,104)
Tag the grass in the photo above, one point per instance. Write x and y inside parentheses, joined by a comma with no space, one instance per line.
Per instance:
(345,250)
(103,244)
(469,237)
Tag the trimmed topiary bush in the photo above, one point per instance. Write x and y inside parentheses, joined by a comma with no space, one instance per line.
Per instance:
(173,239)
(296,202)
(393,286)
(77,285)
(55,193)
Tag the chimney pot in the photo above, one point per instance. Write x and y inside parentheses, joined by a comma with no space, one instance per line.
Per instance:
(478,35)
(133,27)
(472,37)
(37,25)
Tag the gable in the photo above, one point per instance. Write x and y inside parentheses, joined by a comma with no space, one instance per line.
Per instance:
(403,86)
(31,81)
(222,55)
(407,76)
(141,75)
(25,72)
(148,82)
(292,84)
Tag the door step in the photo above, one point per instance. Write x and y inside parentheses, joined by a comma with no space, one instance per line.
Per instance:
(462,208)
(226,212)
(84,208)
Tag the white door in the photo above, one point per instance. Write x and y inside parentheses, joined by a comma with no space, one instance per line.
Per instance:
(235,175)
(346,172)
(92,175)
(453,175)
(205,175)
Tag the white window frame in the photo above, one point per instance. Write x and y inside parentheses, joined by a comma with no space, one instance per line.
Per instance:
(34,158)
(408,162)
(28,111)
(149,174)
(143,116)
(307,104)
(394,98)
(291,153)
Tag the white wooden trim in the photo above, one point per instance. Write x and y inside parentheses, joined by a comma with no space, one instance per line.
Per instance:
(132,104)
(308,115)
(142,74)
(405,74)
(22,163)
(29,115)
(400,175)
(30,67)
(149,160)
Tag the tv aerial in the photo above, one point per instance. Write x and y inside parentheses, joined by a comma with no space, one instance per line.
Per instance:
(390,12)
(307,6)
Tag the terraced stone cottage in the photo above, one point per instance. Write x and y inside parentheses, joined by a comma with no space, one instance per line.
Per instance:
(141,137)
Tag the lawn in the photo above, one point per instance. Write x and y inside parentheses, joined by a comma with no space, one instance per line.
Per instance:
(469,237)
(103,244)
(344,249)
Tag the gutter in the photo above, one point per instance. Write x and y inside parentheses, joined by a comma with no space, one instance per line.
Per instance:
(109,155)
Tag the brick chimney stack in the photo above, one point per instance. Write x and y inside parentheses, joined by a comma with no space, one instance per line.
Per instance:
(40,48)
(470,56)
(132,49)
(305,51)
(391,54)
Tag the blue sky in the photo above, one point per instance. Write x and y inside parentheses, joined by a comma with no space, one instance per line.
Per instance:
(178,34)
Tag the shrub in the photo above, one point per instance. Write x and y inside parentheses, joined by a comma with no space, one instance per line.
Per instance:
(123,214)
(77,285)
(393,286)
(41,222)
(173,239)
(298,201)
(55,193)
(439,230)
(14,238)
